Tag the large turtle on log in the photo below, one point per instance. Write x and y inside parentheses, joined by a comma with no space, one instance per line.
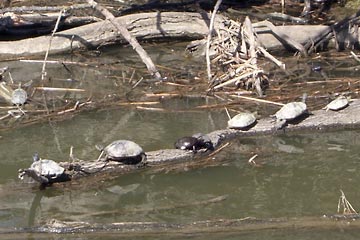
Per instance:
(242,121)
(44,171)
(288,112)
(124,151)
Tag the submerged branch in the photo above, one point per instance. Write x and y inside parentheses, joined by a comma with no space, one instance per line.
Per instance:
(217,226)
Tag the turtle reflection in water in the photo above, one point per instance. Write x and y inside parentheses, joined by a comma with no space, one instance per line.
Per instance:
(44,171)
(194,143)
(288,112)
(124,151)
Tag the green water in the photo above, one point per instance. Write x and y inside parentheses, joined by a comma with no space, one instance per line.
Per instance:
(300,175)
(297,175)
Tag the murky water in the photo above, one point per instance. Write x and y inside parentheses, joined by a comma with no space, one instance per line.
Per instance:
(298,175)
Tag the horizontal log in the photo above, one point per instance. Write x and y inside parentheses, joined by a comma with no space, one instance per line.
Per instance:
(319,120)
(216,226)
(149,26)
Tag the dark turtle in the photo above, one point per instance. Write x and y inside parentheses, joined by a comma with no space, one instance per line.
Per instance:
(124,151)
(337,104)
(195,142)
(289,112)
(44,171)
(242,121)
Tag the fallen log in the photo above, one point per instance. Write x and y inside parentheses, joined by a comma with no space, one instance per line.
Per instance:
(151,26)
(319,120)
(216,226)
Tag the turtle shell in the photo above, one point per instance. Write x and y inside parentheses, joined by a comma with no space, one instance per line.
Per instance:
(291,111)
(125,151)
(19,96)
(47,168)
(195,142)
(242,121)
(188,143)
(338,103)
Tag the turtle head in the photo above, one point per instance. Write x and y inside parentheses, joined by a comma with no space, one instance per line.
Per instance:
(36,157)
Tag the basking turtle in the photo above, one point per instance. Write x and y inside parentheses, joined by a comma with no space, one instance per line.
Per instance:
(339,103)
(44,171)
(289,112)
(124,151)
(242,121)
(195,142)
(19,96)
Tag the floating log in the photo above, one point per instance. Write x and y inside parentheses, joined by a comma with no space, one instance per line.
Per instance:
(153,26)
(216,226)
(319,120)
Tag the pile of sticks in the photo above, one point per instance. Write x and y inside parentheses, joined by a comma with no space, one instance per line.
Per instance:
(236,52)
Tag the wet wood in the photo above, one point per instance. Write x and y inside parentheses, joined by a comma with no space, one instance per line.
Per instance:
(121,29)
(216,226)
(36,23)
(151,26)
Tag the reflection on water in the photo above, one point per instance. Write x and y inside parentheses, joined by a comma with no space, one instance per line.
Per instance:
(296,175)
(299,175)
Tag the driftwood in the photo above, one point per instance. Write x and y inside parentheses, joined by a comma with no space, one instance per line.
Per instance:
(319,120)
(121,29)
(217,226)
(151,26)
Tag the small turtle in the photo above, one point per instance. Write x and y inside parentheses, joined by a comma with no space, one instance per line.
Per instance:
(289,112)
(206,141)
(195,142)
(44,171)
(242,121)
(19,96)
(339,103)
(124,151)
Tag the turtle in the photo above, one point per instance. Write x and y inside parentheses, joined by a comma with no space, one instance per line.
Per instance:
(19,96)
(195,142)
(44,171)
(288,112)
(125,151)
(242,121)
(338,103)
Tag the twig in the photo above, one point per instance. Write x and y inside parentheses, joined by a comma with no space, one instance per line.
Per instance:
(218,150)
(259,100)
(345,205)
(238,78)
(137,103)
(355,56)
(251,161)
(211,28)
(227,112)
(43,71)
(53,89)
